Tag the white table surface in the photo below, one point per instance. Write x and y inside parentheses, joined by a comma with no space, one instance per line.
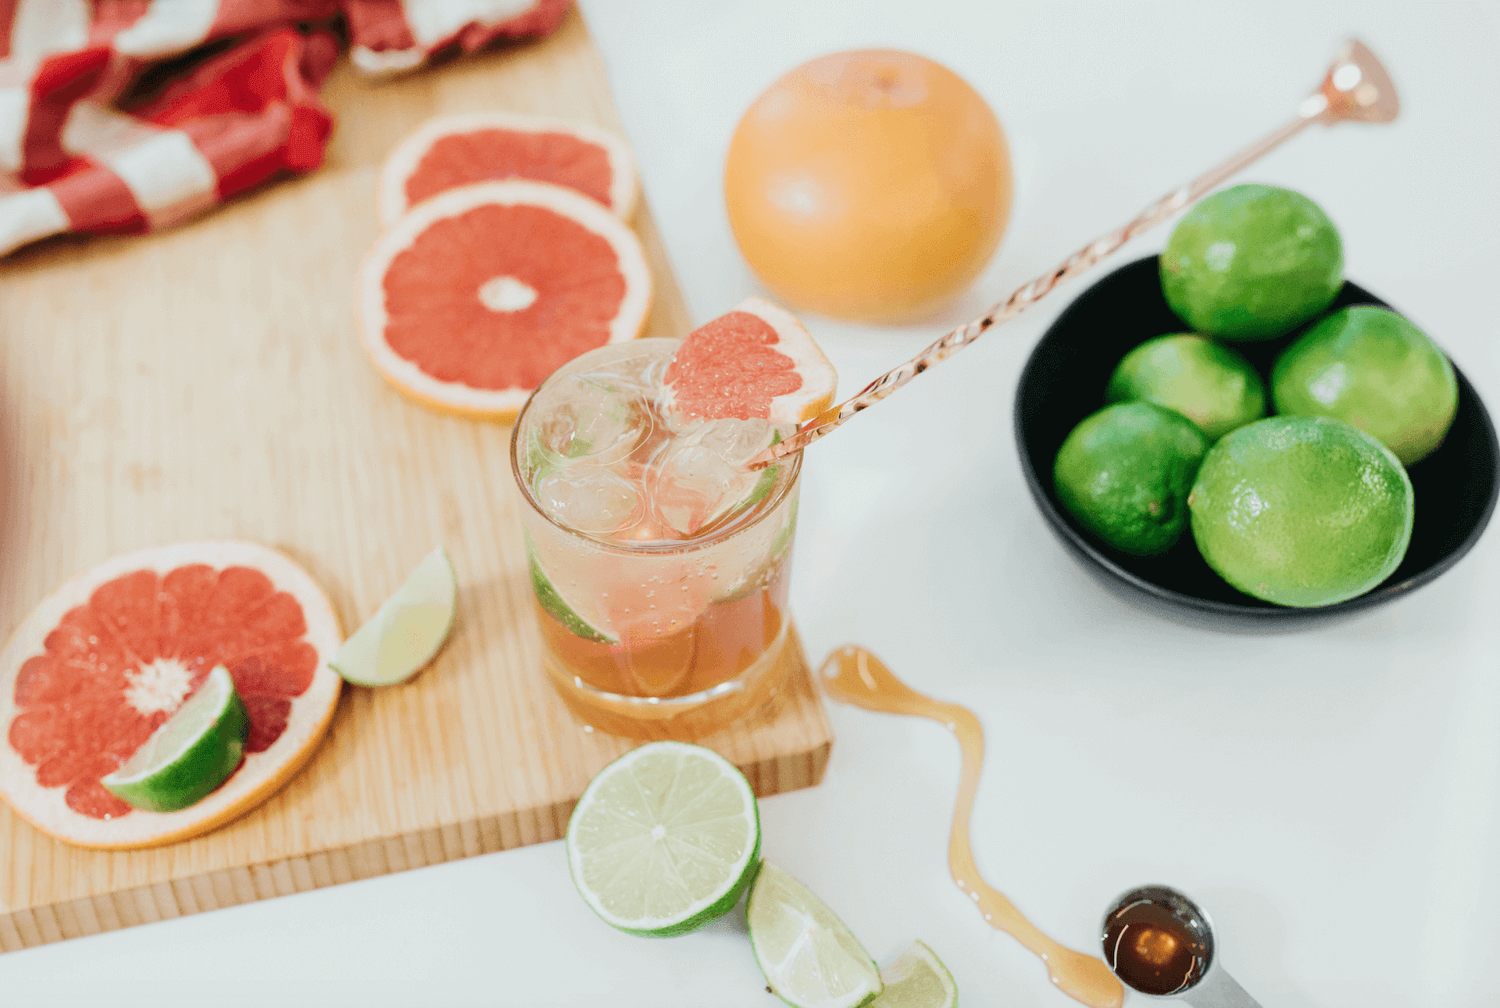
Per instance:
(1340,818)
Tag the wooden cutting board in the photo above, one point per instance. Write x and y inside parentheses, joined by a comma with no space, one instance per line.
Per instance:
(207,382)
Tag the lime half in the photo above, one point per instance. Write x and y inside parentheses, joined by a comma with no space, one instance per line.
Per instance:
(406,631)
(810,958)
(664,839)
(191,753)
(917,979)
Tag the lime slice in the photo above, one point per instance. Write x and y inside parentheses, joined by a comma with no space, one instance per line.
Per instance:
(664,839)
(810,958)
(190,753)
(917,979)
(557,607)
(406,631)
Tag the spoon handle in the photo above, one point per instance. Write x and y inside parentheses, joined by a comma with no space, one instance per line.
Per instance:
(1030,293)
(1218,990)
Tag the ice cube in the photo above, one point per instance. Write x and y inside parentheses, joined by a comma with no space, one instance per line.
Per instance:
(590,498)
(735,441)
(598,417)
(701,476)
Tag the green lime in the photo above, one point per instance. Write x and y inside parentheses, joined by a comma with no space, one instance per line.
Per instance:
(1302,511)
(406,631)
(1124,474)
(809,957)
(1208,383)
(1372,368)
(1251,263)
(550,599)
(664,839)
(190,753)
(917,979)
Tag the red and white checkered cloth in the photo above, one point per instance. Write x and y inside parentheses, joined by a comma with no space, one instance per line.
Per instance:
(392,35)
(70,161)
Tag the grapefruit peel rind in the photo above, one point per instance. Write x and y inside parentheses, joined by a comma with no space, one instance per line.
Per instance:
(455,397)
(406,156)
(261,775)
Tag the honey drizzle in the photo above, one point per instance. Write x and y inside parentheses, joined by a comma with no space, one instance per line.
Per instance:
(855,676)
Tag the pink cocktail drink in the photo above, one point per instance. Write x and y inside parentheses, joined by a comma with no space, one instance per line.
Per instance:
(659,561)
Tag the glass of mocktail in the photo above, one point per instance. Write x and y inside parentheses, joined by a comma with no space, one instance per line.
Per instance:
(659,562)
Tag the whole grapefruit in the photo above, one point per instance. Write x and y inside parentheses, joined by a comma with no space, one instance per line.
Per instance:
(870,185)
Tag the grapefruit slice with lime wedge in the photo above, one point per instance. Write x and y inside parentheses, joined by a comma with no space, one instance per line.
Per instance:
(456,150)
(107,658)
(477,294)
(755,361)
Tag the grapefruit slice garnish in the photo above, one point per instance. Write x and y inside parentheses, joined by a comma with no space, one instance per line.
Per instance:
(756,361)
(477,294)
(108,657)
(456,150)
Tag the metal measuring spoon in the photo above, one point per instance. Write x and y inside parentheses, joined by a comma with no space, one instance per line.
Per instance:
(1161,945)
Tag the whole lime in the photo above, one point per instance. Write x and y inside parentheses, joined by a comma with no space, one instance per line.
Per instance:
(1372,368)
(1302,511)
(1124,474)
(1208,383)
(1252,262)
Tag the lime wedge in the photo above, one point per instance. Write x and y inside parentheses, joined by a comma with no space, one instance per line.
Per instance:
(190,753)
(406,631)
(664,839)
(557,607)
(917,979)
(810,958)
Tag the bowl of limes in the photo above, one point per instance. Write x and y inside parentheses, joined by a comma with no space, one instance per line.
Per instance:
(1234,429)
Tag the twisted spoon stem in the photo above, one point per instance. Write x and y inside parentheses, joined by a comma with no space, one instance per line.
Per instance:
(1333,102)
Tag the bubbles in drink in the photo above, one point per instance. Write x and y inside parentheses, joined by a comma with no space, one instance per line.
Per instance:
(590,498)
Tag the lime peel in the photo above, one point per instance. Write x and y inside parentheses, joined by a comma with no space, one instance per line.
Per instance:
(190,754)
(664,839)
(408,629)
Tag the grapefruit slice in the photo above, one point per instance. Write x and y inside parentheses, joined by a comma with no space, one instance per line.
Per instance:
(455,150)
(477,294)
(104,660)
(756,361)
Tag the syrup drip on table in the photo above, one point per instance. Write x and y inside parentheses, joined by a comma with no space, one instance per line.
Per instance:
(854,675)
(1152,950)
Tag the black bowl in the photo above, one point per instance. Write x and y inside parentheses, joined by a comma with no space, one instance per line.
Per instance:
(1063,382)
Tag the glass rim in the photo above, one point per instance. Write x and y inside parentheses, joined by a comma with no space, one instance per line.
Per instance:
(773,501)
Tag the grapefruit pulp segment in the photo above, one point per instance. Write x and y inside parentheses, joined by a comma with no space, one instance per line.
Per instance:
(755,361)
(455,150)
(477,294)
(109,656)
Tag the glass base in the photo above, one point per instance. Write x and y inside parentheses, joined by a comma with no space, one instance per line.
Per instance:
(754,694)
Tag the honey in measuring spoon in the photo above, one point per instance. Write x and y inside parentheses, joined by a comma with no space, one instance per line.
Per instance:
(1152,950)
(854,675)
